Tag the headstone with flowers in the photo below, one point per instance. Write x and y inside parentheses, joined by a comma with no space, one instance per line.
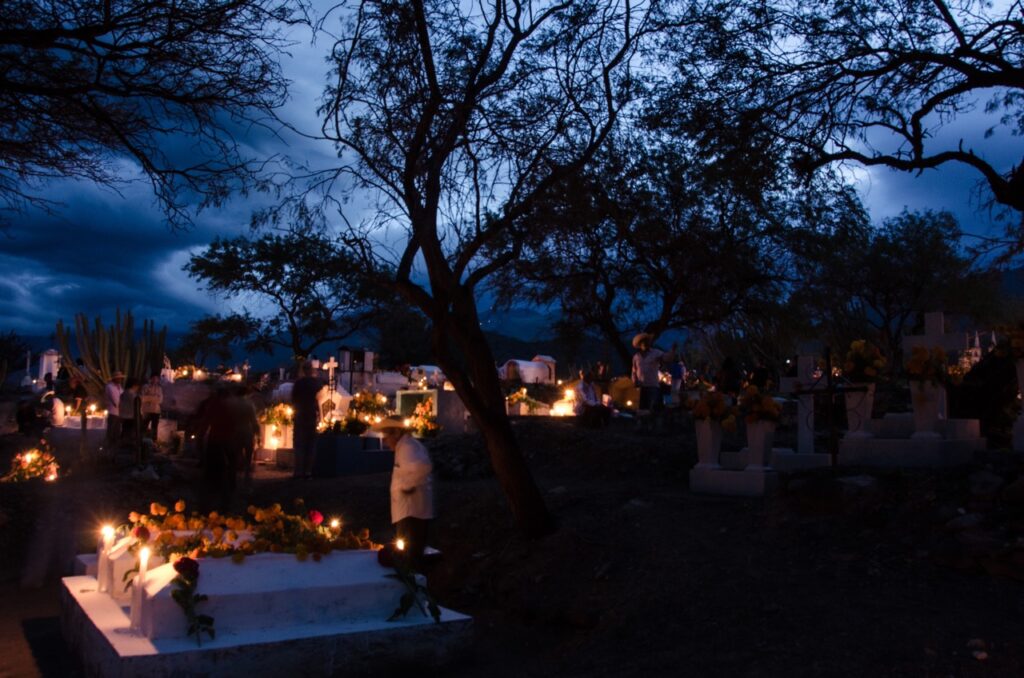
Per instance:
(268,593)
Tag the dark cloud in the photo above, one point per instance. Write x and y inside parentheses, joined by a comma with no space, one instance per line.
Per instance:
(102,250)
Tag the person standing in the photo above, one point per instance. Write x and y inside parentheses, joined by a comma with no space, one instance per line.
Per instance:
(307,414)
(218,430)
(112,402)
(412,490)
(248,427)
(151,397)
(128,408)
(646,366)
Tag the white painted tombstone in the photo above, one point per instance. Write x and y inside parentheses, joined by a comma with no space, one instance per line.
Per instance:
(27,379)
(935,335)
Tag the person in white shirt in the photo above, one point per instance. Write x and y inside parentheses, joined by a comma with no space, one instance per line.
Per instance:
(646,366)
(412,492)
(112,402)
(587,406)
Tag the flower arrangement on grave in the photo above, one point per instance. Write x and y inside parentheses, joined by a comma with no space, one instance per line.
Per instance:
(37,462)
(423,422)
(927,365)
(278,415)
(184,594)
(713,406)
(864,362)
(366,407)
(520,396)
(174,533)
(756,406)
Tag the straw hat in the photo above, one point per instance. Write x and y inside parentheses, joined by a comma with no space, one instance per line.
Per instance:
(641,337)
(388,423)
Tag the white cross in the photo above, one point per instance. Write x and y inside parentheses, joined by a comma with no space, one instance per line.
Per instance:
(329,366)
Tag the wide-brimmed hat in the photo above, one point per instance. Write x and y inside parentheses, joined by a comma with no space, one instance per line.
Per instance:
(388,423)
(642,337)
(117,375)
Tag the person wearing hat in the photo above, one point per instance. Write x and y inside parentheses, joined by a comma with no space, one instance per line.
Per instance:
(646,365)
(112,402)
(412,493)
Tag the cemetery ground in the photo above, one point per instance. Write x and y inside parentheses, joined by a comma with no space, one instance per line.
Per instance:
(850,573)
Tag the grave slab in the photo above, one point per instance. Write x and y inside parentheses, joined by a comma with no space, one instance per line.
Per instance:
(98,631)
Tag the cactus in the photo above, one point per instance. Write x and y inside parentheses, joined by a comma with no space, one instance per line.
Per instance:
(106,350)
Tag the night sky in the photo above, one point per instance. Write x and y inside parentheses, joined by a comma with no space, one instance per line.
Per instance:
(104,249)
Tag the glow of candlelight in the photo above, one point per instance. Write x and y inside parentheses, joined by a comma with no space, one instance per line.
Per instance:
(143,563)
(335,523)
(400,544)
(107,531)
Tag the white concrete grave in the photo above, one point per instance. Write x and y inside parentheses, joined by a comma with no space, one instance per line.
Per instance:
(273,615)
(896,444)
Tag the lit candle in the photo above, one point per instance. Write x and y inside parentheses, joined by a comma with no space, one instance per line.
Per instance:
(103,567)
(108,537)
(335,523)
(400,544)
(143,564)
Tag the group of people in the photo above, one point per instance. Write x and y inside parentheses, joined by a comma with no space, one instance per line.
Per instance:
(133,408)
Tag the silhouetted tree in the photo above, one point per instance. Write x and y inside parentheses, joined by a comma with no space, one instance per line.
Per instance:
(457,116)
(164,83)
(311,284)
(874,83)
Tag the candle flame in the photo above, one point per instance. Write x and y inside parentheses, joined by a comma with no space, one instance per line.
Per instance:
(400,544)
(335,523)
(143,556)
(107,531)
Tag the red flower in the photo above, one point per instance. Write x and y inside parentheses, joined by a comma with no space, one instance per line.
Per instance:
(316,517)
(141,532)
(187,568)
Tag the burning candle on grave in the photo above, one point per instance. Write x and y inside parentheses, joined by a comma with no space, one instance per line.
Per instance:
(335,524)
(103,573)
(107,532)
(400,544)
(143,564)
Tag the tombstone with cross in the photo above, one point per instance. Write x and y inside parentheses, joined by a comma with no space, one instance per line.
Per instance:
(935,335)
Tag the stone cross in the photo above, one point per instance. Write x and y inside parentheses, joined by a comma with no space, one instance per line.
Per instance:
(330,366)
(935,335)
(804,383)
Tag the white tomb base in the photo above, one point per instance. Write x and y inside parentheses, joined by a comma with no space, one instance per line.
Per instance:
(894,444)
(273,615)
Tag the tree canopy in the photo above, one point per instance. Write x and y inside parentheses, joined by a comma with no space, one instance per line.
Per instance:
(163,83)
(310,285)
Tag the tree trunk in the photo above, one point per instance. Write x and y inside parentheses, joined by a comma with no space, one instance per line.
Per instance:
(480,390)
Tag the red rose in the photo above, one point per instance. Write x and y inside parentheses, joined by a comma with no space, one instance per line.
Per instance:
(187,568)
(141,532)
(316,517)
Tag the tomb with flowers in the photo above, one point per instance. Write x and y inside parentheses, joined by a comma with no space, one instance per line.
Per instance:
(271,593)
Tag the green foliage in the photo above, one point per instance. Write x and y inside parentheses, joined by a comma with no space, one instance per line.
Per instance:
(105,350)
